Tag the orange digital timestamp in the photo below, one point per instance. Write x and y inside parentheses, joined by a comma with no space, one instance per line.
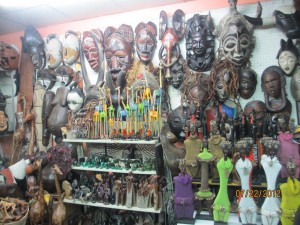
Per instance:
(257,193)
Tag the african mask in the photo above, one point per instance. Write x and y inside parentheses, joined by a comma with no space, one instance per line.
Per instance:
(177,73)
(9,57)
(259,108)
(221,85)
(71,45)
(236,41)
(92,43)
(65,75)
(169,52)
(75,99)
(33,44)
(54,51)
(235,34)
(288,22)
(47,78)
(145,41)
(273,86)
(200,42)
(195,88)
(119,57)
(287,57)
(247,83)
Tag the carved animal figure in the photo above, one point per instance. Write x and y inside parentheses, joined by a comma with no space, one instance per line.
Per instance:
(59,213)
(37,210)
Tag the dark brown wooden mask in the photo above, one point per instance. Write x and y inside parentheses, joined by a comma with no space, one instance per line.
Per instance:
(273,86)
(33,44)
(200,42)
(65,74)
(247,83)
(288,23)
(9,57)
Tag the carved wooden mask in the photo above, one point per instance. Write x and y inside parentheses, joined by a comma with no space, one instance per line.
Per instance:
(9,57)
(247,83)
(145,41)
(54,51)
(200,42)
(71,44)
(92,44)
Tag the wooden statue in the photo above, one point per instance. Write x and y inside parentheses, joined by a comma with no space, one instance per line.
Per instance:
(59,213)
(37,210)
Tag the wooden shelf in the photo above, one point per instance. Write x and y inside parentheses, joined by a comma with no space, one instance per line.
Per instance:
(112,170)
(111,141)
(137,209)
(262,185)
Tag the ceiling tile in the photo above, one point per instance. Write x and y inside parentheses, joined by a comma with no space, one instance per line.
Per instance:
(38,16)
(86,9)
(138,4)
(7,26)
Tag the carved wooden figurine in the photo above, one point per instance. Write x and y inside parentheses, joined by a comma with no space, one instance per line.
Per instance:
(59,213)
(37,210)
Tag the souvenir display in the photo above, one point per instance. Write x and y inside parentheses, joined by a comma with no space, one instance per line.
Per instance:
(9,57)
(247,83)
(270,208)
(290,196)
(70,47)
(200,42)
(148,136)
(221,206)
(247,206)
(183,193)
(53,51)
(287,57)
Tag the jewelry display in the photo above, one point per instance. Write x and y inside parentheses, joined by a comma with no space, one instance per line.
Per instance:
(247,206)
(270,163)
(221,206)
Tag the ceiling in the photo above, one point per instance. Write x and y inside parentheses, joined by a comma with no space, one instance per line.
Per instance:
(15,15)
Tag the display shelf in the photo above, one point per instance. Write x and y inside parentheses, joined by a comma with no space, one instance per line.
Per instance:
(152,172)
(262,185)
(137,209)
(111,141)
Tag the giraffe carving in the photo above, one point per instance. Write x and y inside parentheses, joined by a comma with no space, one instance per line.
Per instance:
(59,213)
